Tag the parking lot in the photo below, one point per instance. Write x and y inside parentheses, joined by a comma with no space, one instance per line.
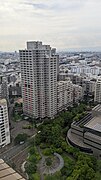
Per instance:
(18,128)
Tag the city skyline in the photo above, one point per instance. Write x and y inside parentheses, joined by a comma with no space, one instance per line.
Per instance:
(66,25)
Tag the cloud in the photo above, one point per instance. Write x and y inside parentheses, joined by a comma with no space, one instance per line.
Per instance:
(37,5)
(57,5)
(61,23)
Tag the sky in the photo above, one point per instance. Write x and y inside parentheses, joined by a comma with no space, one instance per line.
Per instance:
(65,24)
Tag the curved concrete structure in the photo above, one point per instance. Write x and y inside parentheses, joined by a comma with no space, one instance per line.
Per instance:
(77,142)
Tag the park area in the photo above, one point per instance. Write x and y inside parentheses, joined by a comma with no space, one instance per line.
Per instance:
(52,158)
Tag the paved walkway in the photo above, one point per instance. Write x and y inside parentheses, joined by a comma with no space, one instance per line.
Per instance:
(39,165)
(61,165)
(23,168)
(57,164)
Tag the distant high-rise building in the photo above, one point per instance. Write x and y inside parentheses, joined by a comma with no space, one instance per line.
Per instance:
(4,124)
(39,70)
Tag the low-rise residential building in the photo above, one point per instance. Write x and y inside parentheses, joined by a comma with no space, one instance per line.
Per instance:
(15,90)
(88,86)
(77,93)
(63,76)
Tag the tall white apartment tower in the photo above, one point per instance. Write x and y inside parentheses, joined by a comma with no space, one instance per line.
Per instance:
(39,80)
(4,124)
(97,95)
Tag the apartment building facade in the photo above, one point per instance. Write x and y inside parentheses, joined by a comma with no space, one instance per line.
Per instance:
(39,80)
(3,87)
(88,86)
(64,95)
(77,93)
(97,95)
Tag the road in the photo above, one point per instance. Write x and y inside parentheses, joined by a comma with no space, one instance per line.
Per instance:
(13,151)
(7,155)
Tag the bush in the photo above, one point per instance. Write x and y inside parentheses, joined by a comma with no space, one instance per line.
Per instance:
(30,168)
(38,157)
(36,176)
(59,150)
(27,126)
(48,161)
(43,146)
(32,150)
(32,159)
(66,171)
(47,152)
(16,117)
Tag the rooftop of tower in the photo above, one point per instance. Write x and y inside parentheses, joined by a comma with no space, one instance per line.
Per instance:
(37,45)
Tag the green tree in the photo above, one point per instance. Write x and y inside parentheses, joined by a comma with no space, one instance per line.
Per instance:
(98,166)
(20,138)
(32,150)
(31,168)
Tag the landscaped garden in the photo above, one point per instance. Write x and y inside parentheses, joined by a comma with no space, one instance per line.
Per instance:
(51,141)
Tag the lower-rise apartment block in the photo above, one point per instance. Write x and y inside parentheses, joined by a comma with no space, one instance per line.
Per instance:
(3,87)
(77,93)
(64,95)
(88,86)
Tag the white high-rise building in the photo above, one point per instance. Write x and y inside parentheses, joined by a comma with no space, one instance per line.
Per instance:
(97,95)
(39,68)
(4,124)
